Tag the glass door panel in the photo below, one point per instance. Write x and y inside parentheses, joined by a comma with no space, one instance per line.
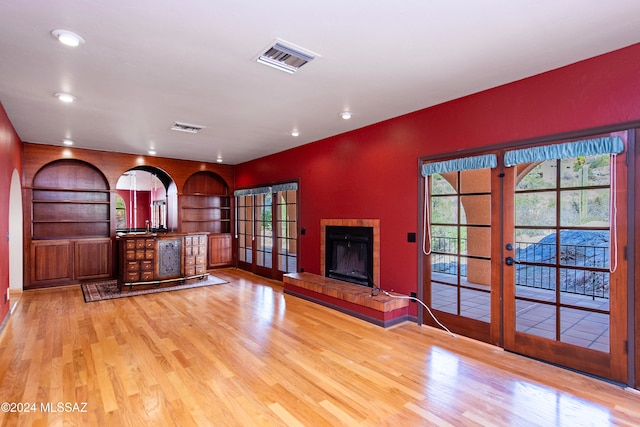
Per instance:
(287,229)
(244,230)
(460,260)
(264,231)
(564,295)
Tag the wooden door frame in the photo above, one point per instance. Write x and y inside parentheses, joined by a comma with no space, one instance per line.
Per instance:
(613,365)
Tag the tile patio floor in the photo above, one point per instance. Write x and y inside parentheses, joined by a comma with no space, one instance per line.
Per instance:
(577,327)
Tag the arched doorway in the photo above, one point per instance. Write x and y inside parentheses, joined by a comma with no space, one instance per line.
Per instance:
(15,234)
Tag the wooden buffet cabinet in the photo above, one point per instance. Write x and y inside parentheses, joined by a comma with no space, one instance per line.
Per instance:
(154,259)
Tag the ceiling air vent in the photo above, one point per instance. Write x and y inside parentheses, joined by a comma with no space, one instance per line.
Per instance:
(286,57)
(186,127)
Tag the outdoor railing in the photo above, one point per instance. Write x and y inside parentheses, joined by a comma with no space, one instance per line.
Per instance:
(584,269)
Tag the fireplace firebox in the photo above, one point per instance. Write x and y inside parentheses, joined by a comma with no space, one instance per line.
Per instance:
(349,254)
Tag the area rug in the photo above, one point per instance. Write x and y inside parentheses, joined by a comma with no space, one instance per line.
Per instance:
(108,289)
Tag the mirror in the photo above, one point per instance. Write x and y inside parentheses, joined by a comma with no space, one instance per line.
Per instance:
(143,197)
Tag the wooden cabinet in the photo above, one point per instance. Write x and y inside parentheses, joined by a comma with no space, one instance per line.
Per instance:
(219,250)
(149,259)
(195,254)
(137,259)
(54,262)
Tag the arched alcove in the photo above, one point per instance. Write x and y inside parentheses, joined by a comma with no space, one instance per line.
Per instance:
(206,207)
(146,200)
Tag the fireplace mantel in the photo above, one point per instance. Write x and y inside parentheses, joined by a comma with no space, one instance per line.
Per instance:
(373,223)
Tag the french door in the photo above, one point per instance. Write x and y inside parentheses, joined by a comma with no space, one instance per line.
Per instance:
(266,229)
(531,257)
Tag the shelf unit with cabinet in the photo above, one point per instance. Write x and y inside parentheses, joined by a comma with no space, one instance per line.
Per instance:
(70,223)
(206,208)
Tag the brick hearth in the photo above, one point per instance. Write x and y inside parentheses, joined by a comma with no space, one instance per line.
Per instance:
(349,298)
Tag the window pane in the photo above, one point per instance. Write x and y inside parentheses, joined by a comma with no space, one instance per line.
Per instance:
(444,298)
(444,210)
(477,209)
(535,245)
(475,181)
(536,319)
(539,177)
(536,282)
(585,171)
(589,289)
(444,184)
(585,208)
(538,209)
(475,304)
(478,241)
(584,248)
(444,239)
(584,329)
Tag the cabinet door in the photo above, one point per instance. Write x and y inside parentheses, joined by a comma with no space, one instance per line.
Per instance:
(92,258)
(51,261)
(219,250)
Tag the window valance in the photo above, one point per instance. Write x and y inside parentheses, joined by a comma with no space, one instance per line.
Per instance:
(587,147)
(461,164)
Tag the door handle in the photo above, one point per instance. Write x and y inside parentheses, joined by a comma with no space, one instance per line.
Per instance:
(509,261)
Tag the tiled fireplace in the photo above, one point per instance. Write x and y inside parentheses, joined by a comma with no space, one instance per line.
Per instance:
(363,268)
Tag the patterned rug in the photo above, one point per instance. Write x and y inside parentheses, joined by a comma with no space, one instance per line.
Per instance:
(108,289)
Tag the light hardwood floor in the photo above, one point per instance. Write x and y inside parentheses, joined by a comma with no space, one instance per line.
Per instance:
(244,354)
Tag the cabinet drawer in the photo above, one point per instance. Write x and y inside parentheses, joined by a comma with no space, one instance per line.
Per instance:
(202,240)
(201,260)
(189,261)
(188,251)
(200,269)
(139,254)
(149,244)
(146,276)
(133,266)
(139,244)
(149,254)
(130,255)
(202,250)
(188,241)
(146,265)
(130,244)
(132,277)
(190,271)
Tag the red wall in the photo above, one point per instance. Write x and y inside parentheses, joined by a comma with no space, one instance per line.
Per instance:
(10,159)
(372,172)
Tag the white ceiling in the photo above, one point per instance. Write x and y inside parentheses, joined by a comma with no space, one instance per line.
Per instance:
(149,63)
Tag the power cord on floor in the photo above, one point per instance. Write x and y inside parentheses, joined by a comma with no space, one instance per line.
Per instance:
(376,291)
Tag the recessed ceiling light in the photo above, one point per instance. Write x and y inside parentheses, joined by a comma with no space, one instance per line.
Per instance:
(295,133)
(64,97)
(67,142)
(219,160)
(346,115)
(152,152)
(68,38)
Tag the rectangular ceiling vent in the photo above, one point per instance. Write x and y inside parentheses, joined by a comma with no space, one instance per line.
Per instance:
(186,127)
(286,57)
